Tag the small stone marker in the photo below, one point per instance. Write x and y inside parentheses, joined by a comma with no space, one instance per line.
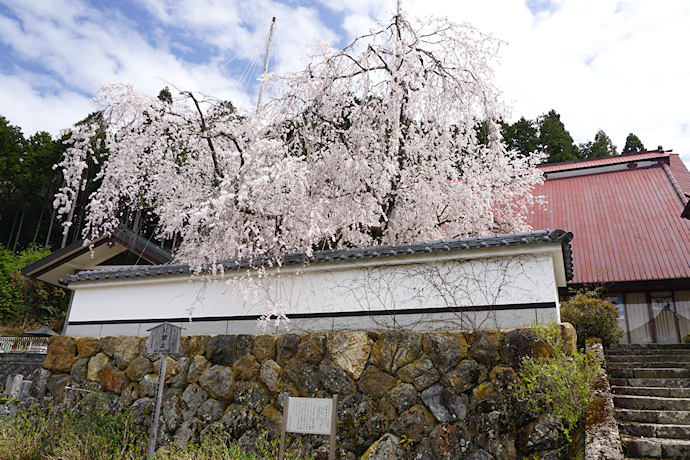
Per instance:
(310,416)
(164,339)
(13,383)
(24,388)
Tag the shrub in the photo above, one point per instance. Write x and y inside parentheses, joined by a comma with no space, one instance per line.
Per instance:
(592,317)
(25,298)
(686,339)
(558,386)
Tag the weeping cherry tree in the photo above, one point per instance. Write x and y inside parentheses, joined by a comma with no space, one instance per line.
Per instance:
(372,144)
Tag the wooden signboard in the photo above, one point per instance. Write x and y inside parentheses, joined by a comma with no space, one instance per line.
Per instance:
(164,338)
(310,416)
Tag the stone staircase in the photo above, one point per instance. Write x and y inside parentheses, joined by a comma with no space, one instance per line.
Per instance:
(651,395)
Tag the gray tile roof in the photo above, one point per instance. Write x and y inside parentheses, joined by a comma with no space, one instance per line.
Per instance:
(339,255)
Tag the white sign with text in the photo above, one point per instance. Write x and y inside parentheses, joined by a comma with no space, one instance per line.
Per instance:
(309,415)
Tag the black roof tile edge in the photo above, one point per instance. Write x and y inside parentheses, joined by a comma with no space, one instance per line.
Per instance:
(396,250)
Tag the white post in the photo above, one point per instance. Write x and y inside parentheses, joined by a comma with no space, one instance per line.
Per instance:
(334,427)
(156,413)
(263,74)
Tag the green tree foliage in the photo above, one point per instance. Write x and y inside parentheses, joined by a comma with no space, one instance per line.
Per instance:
(24,298)
(27,185)
(601,147)
(165,95)
(592,317)
(522,136)
(633,144)
(555,140)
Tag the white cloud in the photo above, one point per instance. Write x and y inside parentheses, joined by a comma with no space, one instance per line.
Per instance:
(35,111)
(615,65)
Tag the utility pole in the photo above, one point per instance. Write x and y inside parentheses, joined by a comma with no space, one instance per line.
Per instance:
(263,74)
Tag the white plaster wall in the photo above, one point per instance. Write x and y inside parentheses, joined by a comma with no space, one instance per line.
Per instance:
(500,280)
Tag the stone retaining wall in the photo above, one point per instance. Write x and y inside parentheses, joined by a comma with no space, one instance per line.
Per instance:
(434,395)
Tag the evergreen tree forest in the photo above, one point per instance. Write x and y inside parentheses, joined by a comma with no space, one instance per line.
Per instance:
(548,134)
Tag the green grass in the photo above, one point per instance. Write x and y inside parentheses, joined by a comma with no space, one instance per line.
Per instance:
(91,432)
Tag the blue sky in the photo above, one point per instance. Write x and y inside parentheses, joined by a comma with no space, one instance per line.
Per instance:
(620,66)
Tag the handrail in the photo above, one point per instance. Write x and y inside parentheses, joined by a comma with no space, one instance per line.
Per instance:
(23,344)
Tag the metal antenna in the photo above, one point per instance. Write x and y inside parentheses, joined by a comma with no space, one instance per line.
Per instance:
(263,74)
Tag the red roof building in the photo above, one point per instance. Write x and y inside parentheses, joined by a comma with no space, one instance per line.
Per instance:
(629,236)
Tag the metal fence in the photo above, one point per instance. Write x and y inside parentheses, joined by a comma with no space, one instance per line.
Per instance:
(23,344)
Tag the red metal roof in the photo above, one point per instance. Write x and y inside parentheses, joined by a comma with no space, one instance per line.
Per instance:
(627,223)
(680,173)
(604,161)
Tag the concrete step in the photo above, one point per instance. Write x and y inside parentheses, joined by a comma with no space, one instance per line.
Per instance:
(652,391)
(650,364)
(650,403)
(672,358)
(650,383)
(654,430)
(669,417)
(656,448)
(667,352)
(649,346)
(642,373)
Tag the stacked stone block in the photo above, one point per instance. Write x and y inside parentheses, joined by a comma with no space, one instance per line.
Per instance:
(421,395)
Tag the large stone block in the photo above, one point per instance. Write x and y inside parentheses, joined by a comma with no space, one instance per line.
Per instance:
(246,368)
(421,373)
(394,350)
(446,349)
(334,379)
(138,368)
(192,398)
(222,350)
(197,345)
(112,379)
(311,348)
(62,353)
(86,346)
(271,374)
(450,442)
(518,344)
(446,406)
(303,376)
(251,394)
(350,351)
(403,397)
(465,376)
(386,448)
(264,347)
(56,385)
(126,349)
(217,381)
(80,370)
(486,346)
(415,423)
(96,364)
(375,382)
(286,346)
(197,367)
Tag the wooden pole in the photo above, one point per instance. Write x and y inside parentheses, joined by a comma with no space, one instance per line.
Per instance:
(283,428)
(157,410)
